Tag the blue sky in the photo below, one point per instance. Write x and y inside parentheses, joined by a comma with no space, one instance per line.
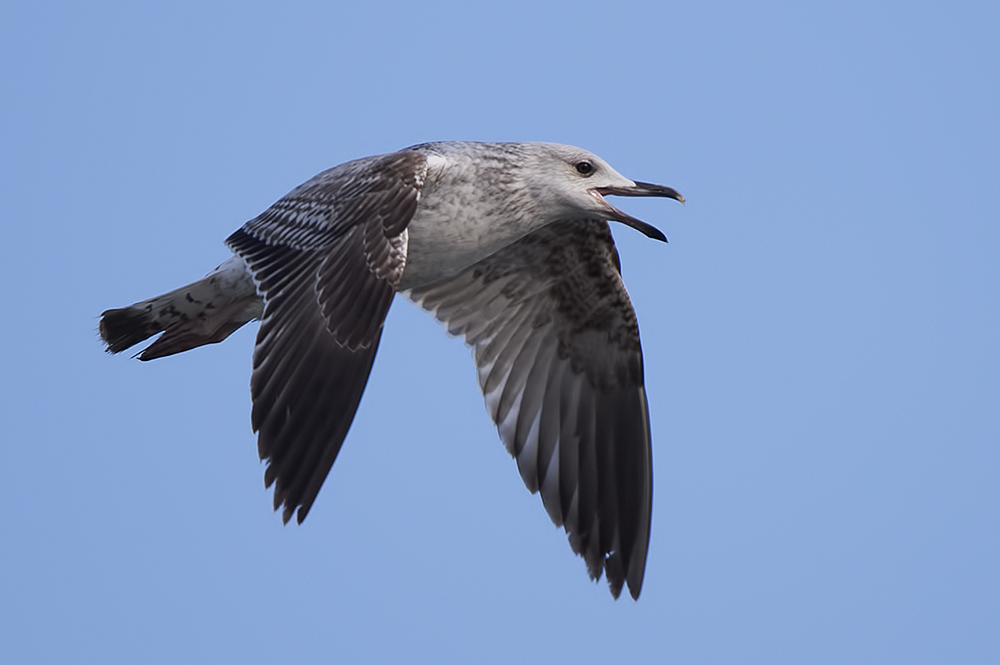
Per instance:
(820,335)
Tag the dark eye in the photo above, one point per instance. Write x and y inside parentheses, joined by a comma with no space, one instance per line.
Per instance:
(584,167)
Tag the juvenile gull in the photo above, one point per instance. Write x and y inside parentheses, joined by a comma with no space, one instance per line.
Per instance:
(508,245)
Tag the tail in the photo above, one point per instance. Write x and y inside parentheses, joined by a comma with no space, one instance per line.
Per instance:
(205,312)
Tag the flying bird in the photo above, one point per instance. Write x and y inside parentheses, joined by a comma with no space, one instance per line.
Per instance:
(508,244)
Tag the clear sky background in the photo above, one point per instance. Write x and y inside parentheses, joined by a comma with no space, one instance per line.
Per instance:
(821,335)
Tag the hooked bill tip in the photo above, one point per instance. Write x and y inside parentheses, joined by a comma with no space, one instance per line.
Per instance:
(640,189)
(650,189)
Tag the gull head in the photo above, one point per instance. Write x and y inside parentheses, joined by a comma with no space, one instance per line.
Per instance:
(576,182)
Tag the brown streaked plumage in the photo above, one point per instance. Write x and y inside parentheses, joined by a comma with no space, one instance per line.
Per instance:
(507,244)
(556,343)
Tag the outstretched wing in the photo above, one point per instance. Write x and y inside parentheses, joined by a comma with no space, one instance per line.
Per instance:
(326,259)
(556,344)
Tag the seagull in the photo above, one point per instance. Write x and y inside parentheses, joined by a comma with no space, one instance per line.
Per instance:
(509,246)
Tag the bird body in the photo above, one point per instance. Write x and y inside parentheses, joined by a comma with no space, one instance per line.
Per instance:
(508,245)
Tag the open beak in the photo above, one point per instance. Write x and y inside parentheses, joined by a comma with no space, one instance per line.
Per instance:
(639,189)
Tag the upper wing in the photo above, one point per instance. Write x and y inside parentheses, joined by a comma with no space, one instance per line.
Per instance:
(557,347)
(326,259)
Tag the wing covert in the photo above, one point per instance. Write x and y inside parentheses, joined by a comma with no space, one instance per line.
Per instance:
(556,345)
(326,260)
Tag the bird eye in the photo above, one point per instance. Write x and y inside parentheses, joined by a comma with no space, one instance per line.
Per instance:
(584,167)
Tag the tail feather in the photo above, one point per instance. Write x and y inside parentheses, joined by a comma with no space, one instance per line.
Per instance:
(126,327)
(204,312)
